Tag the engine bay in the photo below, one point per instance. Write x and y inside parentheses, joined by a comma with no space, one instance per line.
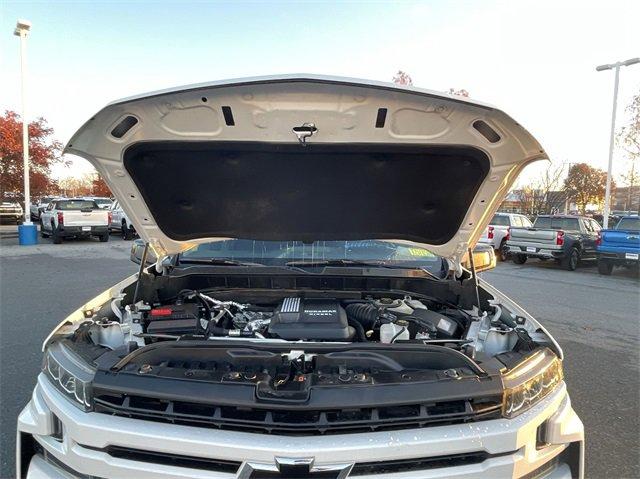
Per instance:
(197,315)
(245,346)
(300,319)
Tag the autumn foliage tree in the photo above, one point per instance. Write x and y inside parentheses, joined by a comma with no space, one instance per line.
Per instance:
(44,152)
(585,185)
(461,92)
(402,78)
(99,187)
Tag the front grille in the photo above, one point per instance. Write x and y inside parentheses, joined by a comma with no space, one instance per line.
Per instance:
(297,422)
(359,468)
(166,459)
(406,465)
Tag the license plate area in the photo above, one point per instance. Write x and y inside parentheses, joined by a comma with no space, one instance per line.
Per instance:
(86,228)
(631,256)
(531,249)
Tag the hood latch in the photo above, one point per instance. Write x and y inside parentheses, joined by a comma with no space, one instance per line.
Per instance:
(305,131)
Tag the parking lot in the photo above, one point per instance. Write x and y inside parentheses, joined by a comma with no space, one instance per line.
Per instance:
(595,319)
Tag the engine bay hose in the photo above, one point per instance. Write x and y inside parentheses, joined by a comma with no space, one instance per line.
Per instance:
(366,314)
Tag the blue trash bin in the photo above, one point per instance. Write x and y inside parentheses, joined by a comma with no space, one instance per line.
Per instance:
(27,234)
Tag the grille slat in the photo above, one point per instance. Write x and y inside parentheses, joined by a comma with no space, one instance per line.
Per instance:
(290,422)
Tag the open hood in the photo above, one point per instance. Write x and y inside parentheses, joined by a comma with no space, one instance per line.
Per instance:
(306,158)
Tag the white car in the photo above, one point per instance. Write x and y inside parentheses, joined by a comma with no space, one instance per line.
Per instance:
(306,313)
(120,221)
(499,229)
(77,218)
(11,211)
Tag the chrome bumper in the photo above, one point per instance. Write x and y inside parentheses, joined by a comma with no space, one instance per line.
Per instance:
(512,446)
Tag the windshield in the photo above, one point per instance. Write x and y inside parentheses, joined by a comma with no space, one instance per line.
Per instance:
(632,224)
(279,253)
(567,224)
(76,205)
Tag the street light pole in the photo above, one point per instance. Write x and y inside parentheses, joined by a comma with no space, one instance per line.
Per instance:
(27,232)
(612,66)
(607,194)
(22,30)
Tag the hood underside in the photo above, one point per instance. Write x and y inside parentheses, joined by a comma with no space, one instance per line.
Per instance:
(224,160)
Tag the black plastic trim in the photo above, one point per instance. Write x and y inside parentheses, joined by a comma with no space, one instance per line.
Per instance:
(167,459)
(124,126)
(228,116)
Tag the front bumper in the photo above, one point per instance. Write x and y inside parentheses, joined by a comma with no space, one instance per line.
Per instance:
(10,215)
(56,439)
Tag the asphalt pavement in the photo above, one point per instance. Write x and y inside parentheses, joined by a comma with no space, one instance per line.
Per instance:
(595,319)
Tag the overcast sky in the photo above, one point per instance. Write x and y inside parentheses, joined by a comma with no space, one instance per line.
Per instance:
(535,60)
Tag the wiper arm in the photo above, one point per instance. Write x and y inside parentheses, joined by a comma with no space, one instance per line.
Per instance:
(355,262)
(339,262)
(216,262)
(349,262)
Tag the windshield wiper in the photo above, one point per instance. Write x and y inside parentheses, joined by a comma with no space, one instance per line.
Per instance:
(217,262)
(349,262)
(355,262)
(337,262)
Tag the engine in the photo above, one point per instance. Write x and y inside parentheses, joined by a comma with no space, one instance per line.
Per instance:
(386,320)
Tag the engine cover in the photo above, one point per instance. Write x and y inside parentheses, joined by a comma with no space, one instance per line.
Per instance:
(310,319)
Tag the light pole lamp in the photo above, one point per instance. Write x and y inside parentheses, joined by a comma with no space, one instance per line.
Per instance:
(613,66)
(27,232)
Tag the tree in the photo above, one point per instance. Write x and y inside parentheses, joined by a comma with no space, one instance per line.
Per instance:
(44,152)
(629,135)
(537,197)
(76,186)
(461,92)
(99,187)
(629,139)
(586,185)
(402,78)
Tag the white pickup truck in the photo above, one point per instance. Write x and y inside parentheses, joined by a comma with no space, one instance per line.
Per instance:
(74,218)
(498,232)
(120,221)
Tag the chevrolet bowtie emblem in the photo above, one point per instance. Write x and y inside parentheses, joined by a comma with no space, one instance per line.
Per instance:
(294,468)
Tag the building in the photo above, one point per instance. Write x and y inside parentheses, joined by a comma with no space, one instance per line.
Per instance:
(626,198)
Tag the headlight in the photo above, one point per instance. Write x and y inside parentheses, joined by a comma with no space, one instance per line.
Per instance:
(69,374)
(530,381)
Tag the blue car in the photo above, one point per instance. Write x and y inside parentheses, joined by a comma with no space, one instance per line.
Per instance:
(619,246)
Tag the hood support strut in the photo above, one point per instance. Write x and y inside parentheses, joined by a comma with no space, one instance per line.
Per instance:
(475,276)
(143,262)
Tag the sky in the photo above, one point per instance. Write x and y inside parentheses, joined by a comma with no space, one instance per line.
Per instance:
(533,59)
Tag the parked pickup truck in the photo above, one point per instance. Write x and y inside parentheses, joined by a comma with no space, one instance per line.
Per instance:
(74,218)
(619,246)
(297,321)
(37,207)
(120,221)
(564,238)
(498,231)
